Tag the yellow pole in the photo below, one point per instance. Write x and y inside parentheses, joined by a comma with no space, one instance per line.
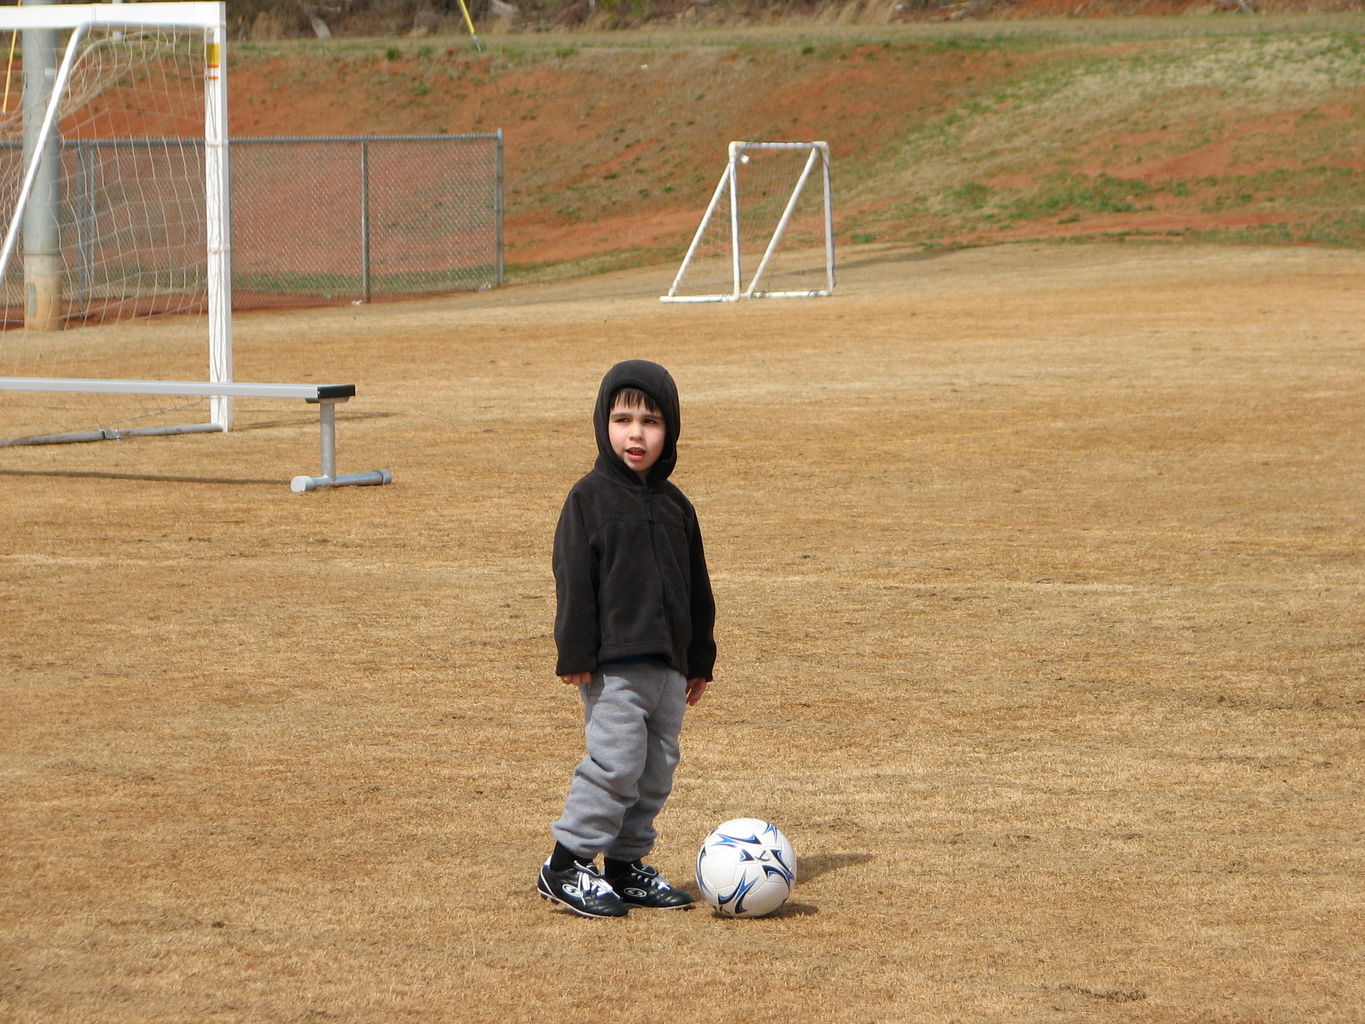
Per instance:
(470,22)
(9,68)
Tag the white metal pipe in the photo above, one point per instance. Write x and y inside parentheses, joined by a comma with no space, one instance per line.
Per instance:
(217,216)
(31,173)
(374,478)
(736,278)
(242,389)
(327,413)
(193,14)
(829,217)
(89,436)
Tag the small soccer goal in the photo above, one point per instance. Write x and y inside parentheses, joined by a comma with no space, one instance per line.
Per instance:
(768,231)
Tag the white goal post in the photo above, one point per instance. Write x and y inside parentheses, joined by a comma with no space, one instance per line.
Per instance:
(768,231)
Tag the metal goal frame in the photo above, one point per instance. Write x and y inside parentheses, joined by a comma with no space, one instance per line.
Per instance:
(728,191)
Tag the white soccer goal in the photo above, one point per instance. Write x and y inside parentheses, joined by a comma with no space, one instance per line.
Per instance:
(114,198)
(114,193)
(768,231)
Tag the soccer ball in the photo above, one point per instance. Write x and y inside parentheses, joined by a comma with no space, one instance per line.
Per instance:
(746,868)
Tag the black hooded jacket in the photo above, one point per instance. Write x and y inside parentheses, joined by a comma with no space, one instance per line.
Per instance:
(630,571)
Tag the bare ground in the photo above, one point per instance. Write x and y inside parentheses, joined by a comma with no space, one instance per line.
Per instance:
(1040,580)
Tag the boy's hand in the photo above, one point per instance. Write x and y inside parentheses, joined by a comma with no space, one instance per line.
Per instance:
(577,678)
(695,688)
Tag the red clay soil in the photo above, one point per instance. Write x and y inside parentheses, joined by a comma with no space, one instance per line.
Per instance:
(610,148)
(562,128)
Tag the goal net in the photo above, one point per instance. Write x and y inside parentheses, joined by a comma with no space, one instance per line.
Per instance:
(114,209)
(768,231)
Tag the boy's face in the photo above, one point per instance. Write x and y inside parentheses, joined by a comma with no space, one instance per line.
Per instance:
(636,435)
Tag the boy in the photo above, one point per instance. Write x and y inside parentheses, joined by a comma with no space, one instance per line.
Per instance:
(633,628)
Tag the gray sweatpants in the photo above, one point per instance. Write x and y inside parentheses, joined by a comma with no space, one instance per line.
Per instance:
(632,716)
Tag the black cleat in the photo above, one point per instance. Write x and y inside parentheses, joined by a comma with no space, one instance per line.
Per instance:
(643,886)
(582,889)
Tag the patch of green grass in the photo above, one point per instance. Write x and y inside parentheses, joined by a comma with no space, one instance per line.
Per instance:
(601,263)
(1346,229)
(972,194)
(1254,234)
(1067,193)
(343,286)
(1228,201)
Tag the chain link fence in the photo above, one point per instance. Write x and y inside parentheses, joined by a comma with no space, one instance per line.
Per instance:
(356,218)
(314,220)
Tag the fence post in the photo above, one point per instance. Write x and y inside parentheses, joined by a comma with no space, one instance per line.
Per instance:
(365,217)
(41,216)
(498,209)
(86,160)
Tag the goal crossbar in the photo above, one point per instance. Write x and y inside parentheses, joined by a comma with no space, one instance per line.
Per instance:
(185,13)
(325,396)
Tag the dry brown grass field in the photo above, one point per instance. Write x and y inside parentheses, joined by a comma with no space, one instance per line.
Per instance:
(1042,631)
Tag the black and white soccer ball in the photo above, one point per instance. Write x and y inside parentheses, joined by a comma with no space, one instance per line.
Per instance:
(746,868)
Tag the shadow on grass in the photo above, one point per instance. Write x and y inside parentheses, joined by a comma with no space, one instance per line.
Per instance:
(789,909)
(73,474)
(817,864)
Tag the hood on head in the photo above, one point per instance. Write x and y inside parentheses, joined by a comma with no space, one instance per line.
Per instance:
(653,380)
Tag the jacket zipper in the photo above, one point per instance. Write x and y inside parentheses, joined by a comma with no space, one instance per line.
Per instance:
(658,567)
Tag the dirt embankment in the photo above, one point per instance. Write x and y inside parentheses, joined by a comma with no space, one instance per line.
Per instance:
(1195,128)
(272,19)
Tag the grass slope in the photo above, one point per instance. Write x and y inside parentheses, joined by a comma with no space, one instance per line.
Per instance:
(1222,129)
